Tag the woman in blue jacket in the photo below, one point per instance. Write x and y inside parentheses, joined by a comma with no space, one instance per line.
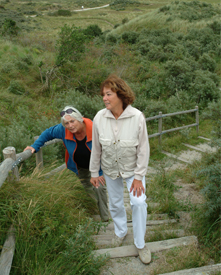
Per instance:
(76,133)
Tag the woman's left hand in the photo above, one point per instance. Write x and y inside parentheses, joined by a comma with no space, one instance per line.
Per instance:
(137,186)
(101,180)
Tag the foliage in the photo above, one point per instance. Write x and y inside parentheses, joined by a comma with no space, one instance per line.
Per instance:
(207,219)
(92,31)
(49,216)
(122,4)
(16,87)
(86,104)
(213,112)
(9,27)
(190,11)
(20,133)
(64,13)
(70,44)
(129,37)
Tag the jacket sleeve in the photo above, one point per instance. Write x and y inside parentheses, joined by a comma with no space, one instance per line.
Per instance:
(57,131)
(143,150)
(95,160)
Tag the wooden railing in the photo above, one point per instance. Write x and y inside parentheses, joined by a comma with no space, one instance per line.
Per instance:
(160,123)
(9,169)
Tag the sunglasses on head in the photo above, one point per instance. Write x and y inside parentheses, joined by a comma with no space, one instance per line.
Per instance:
(68,111)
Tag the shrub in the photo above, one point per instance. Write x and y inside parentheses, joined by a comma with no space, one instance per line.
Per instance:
(70,44)
(178,75)
(9,27)
(216,27)
(93,31)
(111,39)
(86,104)
(203,88)
(207,63)
(20,133)
(129,37)
(64,13)
(16,87)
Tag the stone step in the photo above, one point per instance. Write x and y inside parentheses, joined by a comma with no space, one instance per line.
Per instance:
(131,251)
(204,270)
(105,240)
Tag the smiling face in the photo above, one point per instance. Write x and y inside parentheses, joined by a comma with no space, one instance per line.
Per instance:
(73,125)
(112,101)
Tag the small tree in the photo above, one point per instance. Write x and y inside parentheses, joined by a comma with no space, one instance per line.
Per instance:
(70,44)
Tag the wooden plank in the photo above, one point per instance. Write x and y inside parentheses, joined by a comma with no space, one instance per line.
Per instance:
(148,223)
(175,157)
(10,152)
(7,164)
(109,236)
(104,241)
(203,270)
(5,167)
(131,251)
(204,138)
(7,253)
(56,170)
(194,147)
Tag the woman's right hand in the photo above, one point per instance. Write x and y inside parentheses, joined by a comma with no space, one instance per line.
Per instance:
(30,148)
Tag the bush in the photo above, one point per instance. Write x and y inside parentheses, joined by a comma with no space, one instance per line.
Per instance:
(111,39)
(87,105)
(9,27)
(64,13)
(16,87)
(92,31)
(207,63)
(203,88)
(129,37)
(70,44)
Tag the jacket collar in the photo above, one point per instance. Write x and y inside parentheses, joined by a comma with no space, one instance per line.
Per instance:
(89,124)
(128,112)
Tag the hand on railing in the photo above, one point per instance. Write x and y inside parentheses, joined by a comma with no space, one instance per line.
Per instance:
(30,148)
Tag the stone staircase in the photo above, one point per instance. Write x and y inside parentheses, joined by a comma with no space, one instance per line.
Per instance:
(125,259)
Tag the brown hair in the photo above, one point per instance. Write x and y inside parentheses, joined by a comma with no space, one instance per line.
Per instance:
(120,87)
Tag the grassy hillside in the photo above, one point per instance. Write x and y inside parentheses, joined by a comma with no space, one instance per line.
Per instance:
(168,52)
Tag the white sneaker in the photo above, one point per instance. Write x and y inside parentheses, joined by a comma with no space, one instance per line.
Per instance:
(117,241)
(145,255)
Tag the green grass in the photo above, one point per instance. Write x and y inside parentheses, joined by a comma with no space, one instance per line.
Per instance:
(53,225)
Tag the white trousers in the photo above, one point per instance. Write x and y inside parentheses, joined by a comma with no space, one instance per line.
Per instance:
(115,190)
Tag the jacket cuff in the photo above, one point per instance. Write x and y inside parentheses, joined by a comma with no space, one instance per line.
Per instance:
(94,174)
(138,177)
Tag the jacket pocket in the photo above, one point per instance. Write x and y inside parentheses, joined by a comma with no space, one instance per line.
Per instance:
(129,148)
(107,152)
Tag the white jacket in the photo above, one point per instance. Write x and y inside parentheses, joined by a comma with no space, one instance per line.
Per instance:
(120,145)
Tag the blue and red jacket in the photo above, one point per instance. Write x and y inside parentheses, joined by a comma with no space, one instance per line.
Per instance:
(59,131)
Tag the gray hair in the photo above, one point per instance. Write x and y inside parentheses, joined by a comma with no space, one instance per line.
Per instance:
(75,114)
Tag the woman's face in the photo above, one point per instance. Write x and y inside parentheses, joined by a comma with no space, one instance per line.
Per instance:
(111,100)
(73,125)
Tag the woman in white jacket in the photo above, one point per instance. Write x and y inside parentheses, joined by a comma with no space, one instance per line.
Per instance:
(121,147)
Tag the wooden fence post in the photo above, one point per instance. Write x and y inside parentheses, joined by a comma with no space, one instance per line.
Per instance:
(39,157)
(9,152)
(160,122)
(197,120)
